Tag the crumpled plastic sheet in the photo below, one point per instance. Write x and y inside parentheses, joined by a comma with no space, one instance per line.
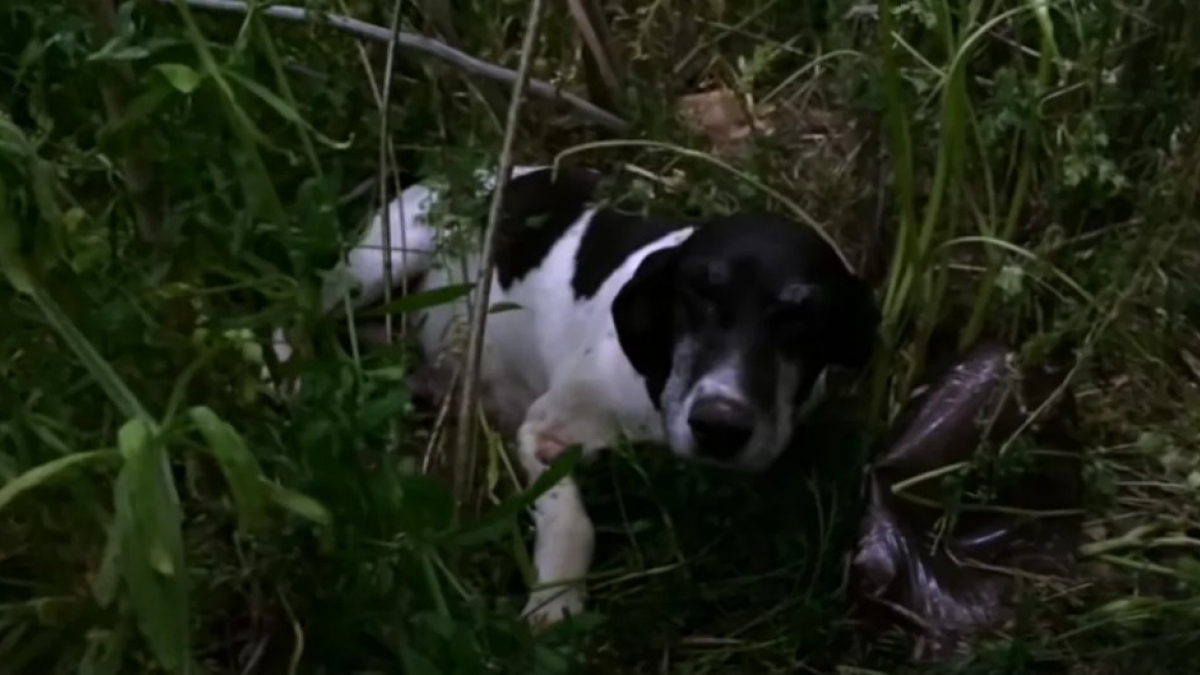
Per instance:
(947,585)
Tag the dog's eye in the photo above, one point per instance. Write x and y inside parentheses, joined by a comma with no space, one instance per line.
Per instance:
(790,325)
(708,278)
(702,290)
(699,303)
(795,295)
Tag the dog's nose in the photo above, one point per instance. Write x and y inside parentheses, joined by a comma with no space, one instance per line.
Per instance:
(721,426)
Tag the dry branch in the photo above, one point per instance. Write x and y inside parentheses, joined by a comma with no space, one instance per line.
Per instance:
(464,440)
(426,45)
(599,52)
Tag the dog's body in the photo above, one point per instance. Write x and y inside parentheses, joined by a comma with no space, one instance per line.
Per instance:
(711,338)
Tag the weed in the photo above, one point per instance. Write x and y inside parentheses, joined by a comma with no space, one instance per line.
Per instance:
(172,180)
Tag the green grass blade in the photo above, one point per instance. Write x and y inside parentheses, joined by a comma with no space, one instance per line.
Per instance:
(498,522)
(49,471)
(415,302)
(11,263)
(285,110)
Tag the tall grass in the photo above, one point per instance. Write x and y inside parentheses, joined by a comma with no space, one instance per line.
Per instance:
(173,181)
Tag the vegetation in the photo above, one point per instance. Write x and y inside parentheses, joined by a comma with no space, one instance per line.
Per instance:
(173,181)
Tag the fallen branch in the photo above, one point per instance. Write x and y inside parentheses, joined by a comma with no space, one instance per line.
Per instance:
(599,52)
(423,44)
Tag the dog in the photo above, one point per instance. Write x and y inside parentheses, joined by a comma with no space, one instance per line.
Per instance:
(712,338)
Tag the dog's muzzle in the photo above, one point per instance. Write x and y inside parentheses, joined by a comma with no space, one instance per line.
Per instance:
(721,426)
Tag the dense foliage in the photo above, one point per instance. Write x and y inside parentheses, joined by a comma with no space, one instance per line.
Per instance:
(172,181)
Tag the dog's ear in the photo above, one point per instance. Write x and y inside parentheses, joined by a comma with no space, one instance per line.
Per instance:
(644,317)
(856,319)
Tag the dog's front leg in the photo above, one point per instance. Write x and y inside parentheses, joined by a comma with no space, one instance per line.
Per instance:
(563,534)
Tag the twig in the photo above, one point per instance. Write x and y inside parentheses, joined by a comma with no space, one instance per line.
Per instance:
(464,440)
(421,43)
(1141,566)
(383,167)
(599,51)
(358,191)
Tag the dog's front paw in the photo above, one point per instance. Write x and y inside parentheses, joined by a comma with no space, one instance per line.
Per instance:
(547,607)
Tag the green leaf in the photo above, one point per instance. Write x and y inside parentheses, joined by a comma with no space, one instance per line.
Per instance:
(51,237)
(306,507)
(239,465)
(284,109)
(43,473)
(183,78)
(14,140)
(142,107)
(269,97)
(150,546)
(498,522)
(415,302)
(12,264)
(500,307)
(302,505)
(104,585)
(115,50)
(1010,280)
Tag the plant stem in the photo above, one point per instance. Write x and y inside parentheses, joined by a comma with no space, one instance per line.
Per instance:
(464,447)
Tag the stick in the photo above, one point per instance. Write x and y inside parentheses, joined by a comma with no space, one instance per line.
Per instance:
(383,184)
(464,441)
(426,45)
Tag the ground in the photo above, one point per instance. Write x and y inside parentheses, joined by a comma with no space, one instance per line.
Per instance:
(172,182)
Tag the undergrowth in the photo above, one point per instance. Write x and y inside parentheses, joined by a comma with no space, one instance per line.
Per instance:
(173,181)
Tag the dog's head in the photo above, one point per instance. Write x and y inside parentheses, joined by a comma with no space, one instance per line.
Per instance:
(732,328)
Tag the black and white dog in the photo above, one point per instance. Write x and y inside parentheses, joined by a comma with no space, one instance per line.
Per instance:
(712,337)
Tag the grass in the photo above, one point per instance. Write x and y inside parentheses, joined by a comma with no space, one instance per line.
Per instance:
(172,182)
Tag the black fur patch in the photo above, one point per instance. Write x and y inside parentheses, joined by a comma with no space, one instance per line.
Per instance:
(537,211)
(754,285)
(610,239)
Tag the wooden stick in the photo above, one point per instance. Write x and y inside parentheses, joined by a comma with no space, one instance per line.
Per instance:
(464,446)
(426,45)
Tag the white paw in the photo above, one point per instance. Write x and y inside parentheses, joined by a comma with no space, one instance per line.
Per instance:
(549,606)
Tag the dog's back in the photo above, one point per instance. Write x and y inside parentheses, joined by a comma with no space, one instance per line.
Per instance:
(559,260)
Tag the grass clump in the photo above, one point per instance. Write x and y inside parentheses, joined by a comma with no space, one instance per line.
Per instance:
(173,180)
